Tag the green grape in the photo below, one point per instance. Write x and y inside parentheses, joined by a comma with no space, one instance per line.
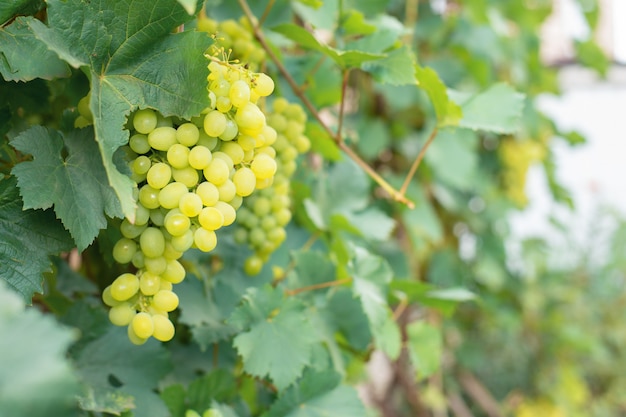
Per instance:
(166,285)
(149,197)
(83,107)
(227,211)
(205,240)
(152,242)
(268,223)
(230,131)
(178,156)
(283,217)
(134,339)
(165,300)
(220,87)
(236,202)
(207,141)
(162,138)
(261,206)
(170,252)
(263,85)
(234,151)
(200,157)
(124,250)
(240,236)
(224,104)
(124,287)
(122,314)
(211,218)
(130,230)
(190,204)
(227,191)
(280,104)
(302,144)
(108,299)
(263,166)
(138,260)
(174,272)
(256,236)
(214,123)
(142,215)
(163,328)
(208,193)
(253,265)
(159,175)
(187,134)
(270,135)
(139,144)
(170,195)
(155,265)
(187,176)
(142,325)
(184,242)
(267,150)
(245,181)
(246,142)
(145,121)
(149,283)
(239,93)
(217,171)
(277,235)
(226,158)
(163,121)
(250,119)
(177,224)
(157,216)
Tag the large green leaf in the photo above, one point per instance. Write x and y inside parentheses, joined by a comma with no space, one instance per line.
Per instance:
(395,69)
(11,8)
(28,238)
(120,375)
(318,395)
(303,38)
(277,337)
(16,65)
(498,109)
(447,111)
(425,345)
(36,379)
(134,61)
(75,184)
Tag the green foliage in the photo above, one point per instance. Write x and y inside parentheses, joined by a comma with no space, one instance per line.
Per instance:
(360,275)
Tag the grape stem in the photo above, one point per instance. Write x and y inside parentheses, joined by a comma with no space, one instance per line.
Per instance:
(336,137)
(417,161)
(318,286)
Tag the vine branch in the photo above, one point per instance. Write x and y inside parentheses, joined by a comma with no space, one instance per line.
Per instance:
(417,162)
(335,136)
(319,286)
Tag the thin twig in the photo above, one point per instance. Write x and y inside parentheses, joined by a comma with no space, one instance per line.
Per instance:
(266,12)
(400,309)
(457,405)
(417,162)
(336,137)
(342,103)
(318,286)
(480,394)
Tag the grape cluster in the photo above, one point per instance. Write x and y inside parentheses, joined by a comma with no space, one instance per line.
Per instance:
(235,37)
(263,217)
(517,156)
(192,176)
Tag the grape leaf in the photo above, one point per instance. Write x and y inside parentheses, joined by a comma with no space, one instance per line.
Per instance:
(447,111)
(113,368)
(371,276)
(32,360)
(318,395)
(76,185)
(345,59)
(425,348)
(498,109)
(29,237)
(134,61)
(395,69)
(276,338)
(8,9)
(15,65)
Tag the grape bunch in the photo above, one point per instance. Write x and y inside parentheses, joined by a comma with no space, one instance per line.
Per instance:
(192,176)
(263,217)
(235,37)
(517,156)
